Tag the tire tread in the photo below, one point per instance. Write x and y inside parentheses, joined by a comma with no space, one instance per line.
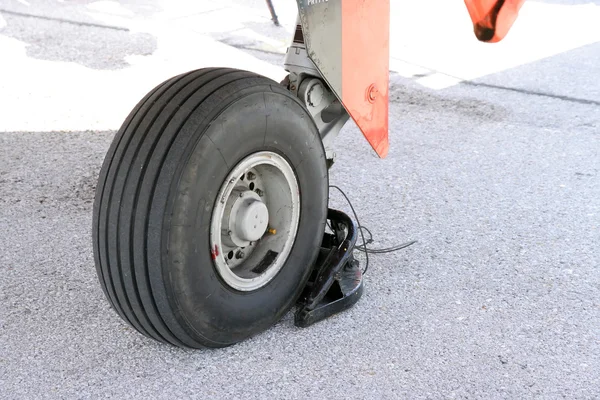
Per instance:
(126,186)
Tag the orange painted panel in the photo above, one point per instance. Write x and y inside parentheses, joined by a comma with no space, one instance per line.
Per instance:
(365,68)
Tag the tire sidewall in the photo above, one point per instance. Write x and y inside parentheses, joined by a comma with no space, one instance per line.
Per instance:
(260,118)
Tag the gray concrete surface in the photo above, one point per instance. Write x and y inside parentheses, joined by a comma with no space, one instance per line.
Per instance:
(498,178)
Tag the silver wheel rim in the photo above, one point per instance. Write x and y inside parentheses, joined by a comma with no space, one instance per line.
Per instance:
(255,221)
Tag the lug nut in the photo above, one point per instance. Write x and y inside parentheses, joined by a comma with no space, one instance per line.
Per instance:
(260,192)
(250,176)
(239,254)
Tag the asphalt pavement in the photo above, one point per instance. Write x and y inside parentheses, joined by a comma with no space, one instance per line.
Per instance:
(495,172)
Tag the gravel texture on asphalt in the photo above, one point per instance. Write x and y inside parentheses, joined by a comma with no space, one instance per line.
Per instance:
(500,297)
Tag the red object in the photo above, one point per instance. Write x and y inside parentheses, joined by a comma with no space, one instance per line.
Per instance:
(365,68)
(492,19)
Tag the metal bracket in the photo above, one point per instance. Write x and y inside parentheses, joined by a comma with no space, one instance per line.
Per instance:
(307,83)
(336,283)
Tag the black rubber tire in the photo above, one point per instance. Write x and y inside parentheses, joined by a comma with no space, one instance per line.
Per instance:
(155,195)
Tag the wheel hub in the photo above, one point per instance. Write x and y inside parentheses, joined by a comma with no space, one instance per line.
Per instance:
(255,221)
(248,218)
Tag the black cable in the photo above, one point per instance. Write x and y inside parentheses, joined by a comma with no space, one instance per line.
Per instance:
(365,249)
(358,223)
(361,228)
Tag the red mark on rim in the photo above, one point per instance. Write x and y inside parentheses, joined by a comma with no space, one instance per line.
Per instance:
(215,252)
